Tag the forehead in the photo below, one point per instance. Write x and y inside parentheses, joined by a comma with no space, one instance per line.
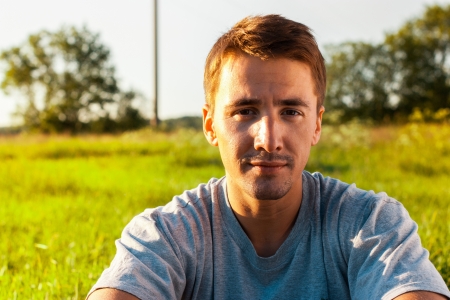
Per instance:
(245,76)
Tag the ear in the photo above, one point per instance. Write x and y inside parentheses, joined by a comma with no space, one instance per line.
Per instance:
(318,130)
(208,126)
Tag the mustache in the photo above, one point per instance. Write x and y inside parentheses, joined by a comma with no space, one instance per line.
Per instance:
(268,157)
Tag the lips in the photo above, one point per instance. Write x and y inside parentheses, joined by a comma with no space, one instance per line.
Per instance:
(266,160)
(267,168)
(268,164)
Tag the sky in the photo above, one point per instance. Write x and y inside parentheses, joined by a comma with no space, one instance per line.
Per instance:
(187,30)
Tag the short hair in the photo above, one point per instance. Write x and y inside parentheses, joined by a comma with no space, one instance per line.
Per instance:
(266,37)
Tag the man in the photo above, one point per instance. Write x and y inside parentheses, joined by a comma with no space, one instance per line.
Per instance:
(268,229)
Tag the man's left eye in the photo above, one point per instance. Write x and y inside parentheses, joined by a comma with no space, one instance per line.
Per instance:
(291,112)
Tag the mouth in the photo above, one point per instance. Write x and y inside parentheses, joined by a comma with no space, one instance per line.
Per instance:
(267,168)
(265,171)
(268,164)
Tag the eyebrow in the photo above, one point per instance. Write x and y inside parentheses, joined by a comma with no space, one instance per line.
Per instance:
(244,102)
(292,102)
(283,102)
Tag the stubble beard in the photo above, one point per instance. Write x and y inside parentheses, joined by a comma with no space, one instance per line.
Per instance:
(266,188)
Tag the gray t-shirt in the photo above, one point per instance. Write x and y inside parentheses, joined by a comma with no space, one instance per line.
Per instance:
(346,244)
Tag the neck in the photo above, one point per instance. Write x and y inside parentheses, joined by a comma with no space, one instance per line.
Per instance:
(267,223)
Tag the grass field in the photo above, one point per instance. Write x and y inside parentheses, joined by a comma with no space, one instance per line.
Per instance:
(64,200)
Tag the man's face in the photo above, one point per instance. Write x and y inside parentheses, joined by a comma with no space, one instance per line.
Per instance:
(265,121)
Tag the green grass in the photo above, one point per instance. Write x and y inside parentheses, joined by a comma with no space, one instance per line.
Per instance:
(64,200)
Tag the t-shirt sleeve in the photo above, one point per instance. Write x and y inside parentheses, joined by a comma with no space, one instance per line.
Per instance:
(147,263)
(387,258)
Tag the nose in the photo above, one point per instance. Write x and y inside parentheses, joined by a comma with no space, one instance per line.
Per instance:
(268,135)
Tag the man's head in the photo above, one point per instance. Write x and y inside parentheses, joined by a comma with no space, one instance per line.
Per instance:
(265,82)
(266,37)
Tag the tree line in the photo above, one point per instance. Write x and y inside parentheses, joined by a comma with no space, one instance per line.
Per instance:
(70,86)
(405,77)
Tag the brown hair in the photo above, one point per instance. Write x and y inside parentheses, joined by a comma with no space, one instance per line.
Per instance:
(266,37)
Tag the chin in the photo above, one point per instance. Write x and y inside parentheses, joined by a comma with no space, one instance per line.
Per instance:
(268,190)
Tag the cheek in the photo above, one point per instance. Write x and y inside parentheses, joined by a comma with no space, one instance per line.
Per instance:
(233,137)
(232,150)
(299,140)
(229,147)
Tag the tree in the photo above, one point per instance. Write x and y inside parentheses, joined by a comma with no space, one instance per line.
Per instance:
(409,70)
(68,74)
(359,78)
(421,50)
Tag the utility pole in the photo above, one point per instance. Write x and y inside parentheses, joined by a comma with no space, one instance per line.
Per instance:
(155,121)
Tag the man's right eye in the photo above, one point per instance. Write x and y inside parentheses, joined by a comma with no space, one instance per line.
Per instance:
(245,112)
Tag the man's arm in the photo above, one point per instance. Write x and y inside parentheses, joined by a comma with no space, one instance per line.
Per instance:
(386,251)
(146,264)
(420,295)
(111,294)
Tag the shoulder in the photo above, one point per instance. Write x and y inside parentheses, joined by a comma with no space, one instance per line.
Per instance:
(373,240)
(160,249)
(348,213)
(184,214)
(349,200)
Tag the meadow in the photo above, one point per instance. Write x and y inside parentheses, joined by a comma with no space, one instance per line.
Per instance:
(64,200)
